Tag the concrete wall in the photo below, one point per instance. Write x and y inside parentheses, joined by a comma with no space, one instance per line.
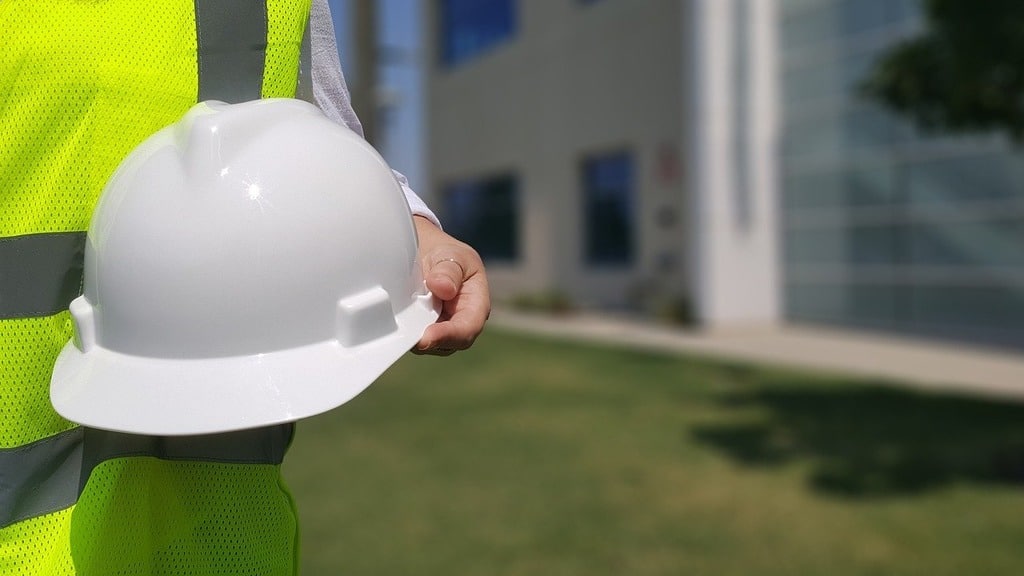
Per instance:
(576,80)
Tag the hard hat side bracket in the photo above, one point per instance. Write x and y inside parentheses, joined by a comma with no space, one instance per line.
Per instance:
(85,323)
(365,316)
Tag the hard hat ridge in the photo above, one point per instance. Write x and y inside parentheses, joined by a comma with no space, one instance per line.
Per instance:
(212,133)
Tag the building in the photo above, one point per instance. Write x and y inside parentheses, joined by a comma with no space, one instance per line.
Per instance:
(715,155)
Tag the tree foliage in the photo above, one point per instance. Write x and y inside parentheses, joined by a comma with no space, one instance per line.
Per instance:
(964,73)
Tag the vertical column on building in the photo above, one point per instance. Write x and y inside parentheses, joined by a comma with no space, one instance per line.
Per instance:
(730,130)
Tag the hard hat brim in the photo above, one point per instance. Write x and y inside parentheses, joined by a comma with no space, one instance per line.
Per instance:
(170,397)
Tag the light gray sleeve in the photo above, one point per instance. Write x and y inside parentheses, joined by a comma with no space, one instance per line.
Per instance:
(331,92)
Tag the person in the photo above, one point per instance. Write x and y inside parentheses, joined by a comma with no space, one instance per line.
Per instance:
(81,83)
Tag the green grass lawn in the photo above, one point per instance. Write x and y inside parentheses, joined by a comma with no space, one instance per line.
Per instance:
(528,456)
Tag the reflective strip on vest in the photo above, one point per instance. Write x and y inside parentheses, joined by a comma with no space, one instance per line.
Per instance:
(304,87)
(40,477)
(232,45)
(254,446)
(47,475)
(40,274)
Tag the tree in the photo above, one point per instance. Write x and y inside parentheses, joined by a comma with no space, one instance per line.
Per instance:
(965,73)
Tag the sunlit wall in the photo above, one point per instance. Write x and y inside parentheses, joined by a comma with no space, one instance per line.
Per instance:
(554,143)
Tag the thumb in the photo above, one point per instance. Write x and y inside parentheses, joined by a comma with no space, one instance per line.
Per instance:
(444,278)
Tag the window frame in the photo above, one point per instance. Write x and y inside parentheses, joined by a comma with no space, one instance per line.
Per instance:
(448,54)
(485,215)
(593,250)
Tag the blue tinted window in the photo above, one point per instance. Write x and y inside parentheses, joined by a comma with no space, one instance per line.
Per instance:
(484,213)
(470,27)
(608,209)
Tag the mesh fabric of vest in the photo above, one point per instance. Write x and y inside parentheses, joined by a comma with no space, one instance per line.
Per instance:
(82,83)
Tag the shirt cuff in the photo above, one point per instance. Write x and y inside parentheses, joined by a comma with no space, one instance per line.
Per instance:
(418,207)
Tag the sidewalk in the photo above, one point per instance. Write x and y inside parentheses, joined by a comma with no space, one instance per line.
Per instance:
(928,365)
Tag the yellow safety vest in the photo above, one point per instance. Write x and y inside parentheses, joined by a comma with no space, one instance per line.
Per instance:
(81,84)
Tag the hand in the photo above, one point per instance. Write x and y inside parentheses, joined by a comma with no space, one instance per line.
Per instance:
(455,274)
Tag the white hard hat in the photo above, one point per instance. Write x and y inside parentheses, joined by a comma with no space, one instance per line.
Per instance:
(250,265)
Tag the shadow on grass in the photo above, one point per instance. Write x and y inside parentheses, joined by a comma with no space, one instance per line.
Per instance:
(864,441)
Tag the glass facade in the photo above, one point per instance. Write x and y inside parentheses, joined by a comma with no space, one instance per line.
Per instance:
(484,213)
(884,225)
(608,210)
(471,27)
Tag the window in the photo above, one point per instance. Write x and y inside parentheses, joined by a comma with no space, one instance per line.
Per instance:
(886,224)
(471,27)
(484,213)
(608,210)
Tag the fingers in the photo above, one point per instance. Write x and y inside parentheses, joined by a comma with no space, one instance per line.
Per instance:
(442,339)
(462,319)
(444,278)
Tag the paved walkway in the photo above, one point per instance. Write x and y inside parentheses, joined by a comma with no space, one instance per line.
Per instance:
(936,366)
